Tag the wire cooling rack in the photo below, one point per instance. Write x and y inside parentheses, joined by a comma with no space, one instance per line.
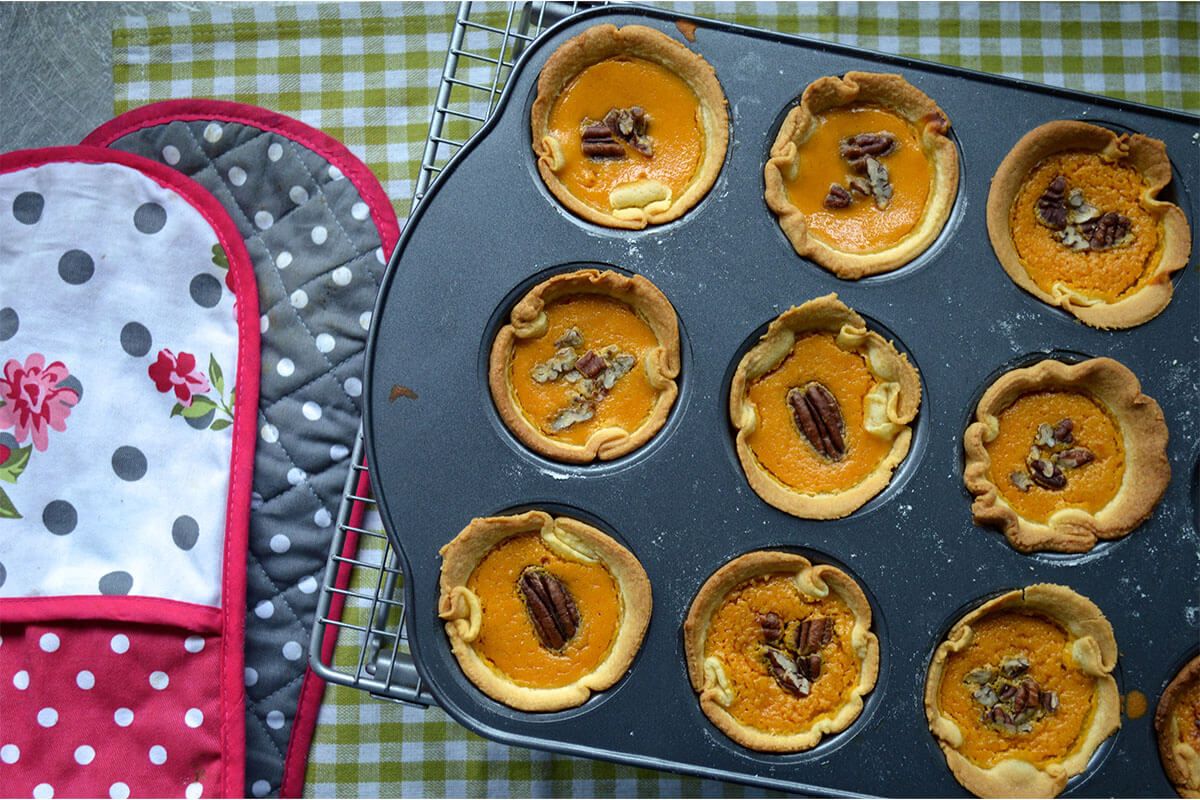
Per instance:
(361,601)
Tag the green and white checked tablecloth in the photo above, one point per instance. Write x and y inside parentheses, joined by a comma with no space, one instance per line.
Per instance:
(367,74)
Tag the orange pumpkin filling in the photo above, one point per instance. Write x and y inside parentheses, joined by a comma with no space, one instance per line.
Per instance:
(1045,650)
(673,127)
(778,443)
(1089,486)
(507,639)
(861,226)
(1187,715)
(602,322)
(735,638)
(1105,274)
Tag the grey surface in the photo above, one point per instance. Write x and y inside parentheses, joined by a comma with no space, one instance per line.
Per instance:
(56,81)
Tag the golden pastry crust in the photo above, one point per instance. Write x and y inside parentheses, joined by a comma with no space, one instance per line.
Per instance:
(1142,430)
(569,540)
(715,677)
(1090,651)
(1180,759)
(1151,290)
(886,409)
(646,201)
(659,364)
(929,126)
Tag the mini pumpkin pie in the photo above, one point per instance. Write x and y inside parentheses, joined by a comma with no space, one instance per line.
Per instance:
(862,174)
(1062,455)
(542,611)
(1074,218)
(629,126)
(822,408)
(780,650)
(1177,727)
(1020,693)
(586,367)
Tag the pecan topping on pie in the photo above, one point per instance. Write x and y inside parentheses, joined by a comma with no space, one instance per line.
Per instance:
(1012,701)
(593,374)
(792,650)
(819,418)
(550,606)
(1081,225)
(1050,454)
(628,125)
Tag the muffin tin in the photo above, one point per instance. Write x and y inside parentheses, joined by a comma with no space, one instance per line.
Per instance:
(488,230)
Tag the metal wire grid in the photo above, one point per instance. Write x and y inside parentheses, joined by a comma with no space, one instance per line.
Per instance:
(486,41)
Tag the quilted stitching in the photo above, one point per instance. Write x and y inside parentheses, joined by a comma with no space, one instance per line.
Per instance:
(318,259)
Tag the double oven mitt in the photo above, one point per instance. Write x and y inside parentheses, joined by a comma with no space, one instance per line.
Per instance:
(129,345)
(319,229)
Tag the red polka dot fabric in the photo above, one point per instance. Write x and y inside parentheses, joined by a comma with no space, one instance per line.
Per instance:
(109,709)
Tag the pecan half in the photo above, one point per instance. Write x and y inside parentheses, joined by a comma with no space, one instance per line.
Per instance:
(856,149)
(838,197)
(814,633)
(819,418)
(599,143)
(772,626)
(551,608)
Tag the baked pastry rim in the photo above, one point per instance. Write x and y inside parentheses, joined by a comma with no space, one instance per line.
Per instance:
(460,610)
(661,364)
(819,579)
(825,313)
(603,41)
(1095,651)
(1149,157)
(1180,761)
(1143,431)
(906,101)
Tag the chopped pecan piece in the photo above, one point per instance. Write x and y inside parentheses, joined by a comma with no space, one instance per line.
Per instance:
(1051,209)
(580,410)
(1021,481)
(572,338)
(561,362)
(589,364)
(1112,230)
(629,125)
(785,671)
(838,197)
(819,418)
(1075,457)
(551,608)
(1063,431)
(1011,700)
(881,185)
(1046,474)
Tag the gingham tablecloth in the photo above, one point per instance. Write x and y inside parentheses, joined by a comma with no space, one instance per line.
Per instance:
(367,74)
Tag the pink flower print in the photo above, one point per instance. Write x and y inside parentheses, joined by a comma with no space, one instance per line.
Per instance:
(32,399)
(178,373)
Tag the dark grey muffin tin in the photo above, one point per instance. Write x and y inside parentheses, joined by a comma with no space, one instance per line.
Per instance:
(488,231)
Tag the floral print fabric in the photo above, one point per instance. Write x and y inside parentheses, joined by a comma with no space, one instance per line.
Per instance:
(114,469)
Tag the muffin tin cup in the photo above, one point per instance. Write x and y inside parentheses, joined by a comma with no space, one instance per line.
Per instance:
(487,229)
